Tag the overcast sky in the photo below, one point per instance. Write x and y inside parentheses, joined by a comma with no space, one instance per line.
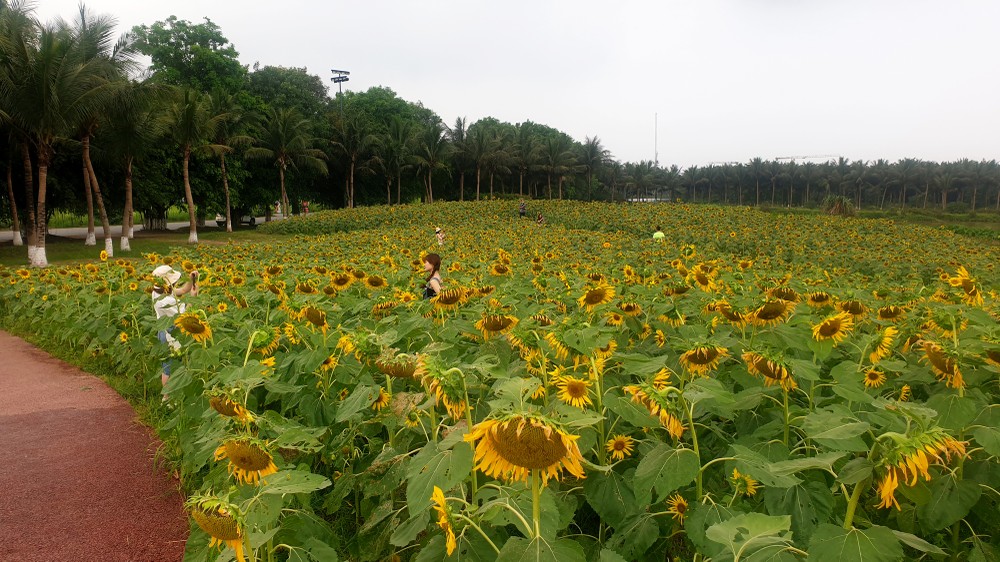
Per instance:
(728,79)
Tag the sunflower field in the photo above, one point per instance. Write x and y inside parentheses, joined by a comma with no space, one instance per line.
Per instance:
(755,387)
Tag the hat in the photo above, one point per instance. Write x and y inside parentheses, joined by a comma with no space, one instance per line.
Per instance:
(168,273)
(437,229)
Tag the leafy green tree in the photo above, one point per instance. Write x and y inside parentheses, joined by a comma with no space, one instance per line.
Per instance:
(286,139)
(190,55)
(230,134)
(293,88)
(356,142)
(593,155)
(395,148)
(756,169)
(524,153)
(556,158)
(459,136)
(433,151)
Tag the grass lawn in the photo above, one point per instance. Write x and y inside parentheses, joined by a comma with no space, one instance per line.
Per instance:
(66,250)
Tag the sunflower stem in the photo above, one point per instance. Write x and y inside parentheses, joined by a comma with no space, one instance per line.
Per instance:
(388,390)
(785,404)
(477,528)
(251,555)
(689,408)
(468,421)
(536,503)
(246,356)
(601,455)
(852,504)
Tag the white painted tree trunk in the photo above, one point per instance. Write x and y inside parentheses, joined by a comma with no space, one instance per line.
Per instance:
(91,239)
(124,244)
(36,256)
(17,238)
(193,237)
(131,231)
(109,246)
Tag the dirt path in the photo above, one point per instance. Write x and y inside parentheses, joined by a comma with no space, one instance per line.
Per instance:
(77,477)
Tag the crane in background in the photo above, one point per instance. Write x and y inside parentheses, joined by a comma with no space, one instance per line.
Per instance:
(794,158)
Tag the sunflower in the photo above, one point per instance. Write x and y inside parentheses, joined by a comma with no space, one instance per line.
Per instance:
(383,309)
(510,448)
(614,319)
(402,366)
(908,460)
(495,324)
(123,337)
(855,308)
(602,294)
(703,359)
(943,365)
(104,255)
(449,299)
(963,279)
(305,288)
(190,324)
(904,393)
(229,408)
(783,293)
(606,351)
(819,299)
(891,313)
(315,317)
(440,505)
(341,281)
(574,391)
(248,458)
(677,507)
(486,290)
(743,484)
(447,387)
(630,308)
(874,378)
(947,325)
(620,446)
(273,270)
(558,347)
(219,520)
(771,313)
(375,282)
(773,371)
(382,400)
(884,345)
(656,402)
(265,342)
(835,327)
(499,269)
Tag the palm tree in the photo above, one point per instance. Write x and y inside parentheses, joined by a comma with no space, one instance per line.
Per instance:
(285,138)
(524,153)
(593,155)
(459,135)
(478,146)
(354,139)
(399,143)
(47,89)
(431,155)
(810,173)
(499,157)
(15,224)
(131,129)
(110,61)
(230,134)
(556,159)
(944,180)
(190,123)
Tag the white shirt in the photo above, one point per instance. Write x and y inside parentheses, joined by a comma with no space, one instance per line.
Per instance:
(166,305)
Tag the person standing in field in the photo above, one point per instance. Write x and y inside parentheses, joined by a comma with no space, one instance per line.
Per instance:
(432,266)
(166,304)
(522,209)
(440,236)
(540,220)
(659,236)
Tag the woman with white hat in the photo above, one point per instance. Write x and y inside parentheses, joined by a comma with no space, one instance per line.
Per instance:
(440,236)
(166,303)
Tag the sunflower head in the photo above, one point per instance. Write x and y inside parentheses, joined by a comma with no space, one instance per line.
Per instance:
(620,446)
(447,387)
(702,359)
(220,520)
(835,328)
(440,505)
(315,317)
(574,391)
(190,324)
(659,404)
(601,294)
(944,364)
(226,406)
(511,447)
(677,507)
(771,313)
(743,484)
(819,299)
(249,459)
(495,324)
(772,370)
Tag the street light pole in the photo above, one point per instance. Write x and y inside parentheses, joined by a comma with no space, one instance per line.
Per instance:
(339,79)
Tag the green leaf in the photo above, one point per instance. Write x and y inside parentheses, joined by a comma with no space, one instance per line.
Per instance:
(750,532)
(294,482)
(635,536)
(855,471)
(665,469)
(913,541)
(951,500)
(408,531)
(434,467)
(699,518)
(831,543)
(610,496)
(835,430)
(757,466)
(610,556)
(822,461)
(954,412)
(361,398)
(631,412)
(517,549)
(320,551)
(808,504)
(988,438)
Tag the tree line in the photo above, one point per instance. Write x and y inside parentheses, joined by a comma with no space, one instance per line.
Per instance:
(88,129)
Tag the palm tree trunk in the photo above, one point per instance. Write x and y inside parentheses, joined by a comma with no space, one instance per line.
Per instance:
(15,225)
(89,196)
(550,184)
(193,235)
(225,188)
(350,185)
(773,187)
(758,192)
(388,189)
(560,186)
(127,215)
(399,186)
(927,192)
(520,185)
(590,180)
(944,198)
(109,242)
(805,203)
(29,197)
(461,186)
(491,185)
(975,187)
(478,179)
(284,195)
(36,252)
(430,185)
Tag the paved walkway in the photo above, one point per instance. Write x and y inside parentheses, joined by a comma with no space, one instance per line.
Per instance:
(77,476)
(6,235)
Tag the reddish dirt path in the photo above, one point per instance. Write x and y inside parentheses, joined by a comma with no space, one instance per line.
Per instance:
(77,478)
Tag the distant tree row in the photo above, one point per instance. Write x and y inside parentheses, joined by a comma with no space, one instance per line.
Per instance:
(86,129)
